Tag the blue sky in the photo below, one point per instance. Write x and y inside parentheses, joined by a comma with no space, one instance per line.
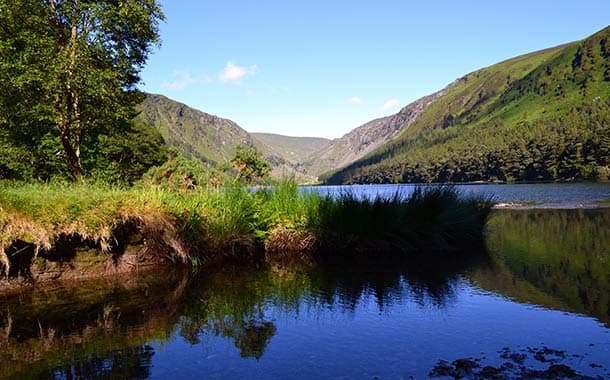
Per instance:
(322,68)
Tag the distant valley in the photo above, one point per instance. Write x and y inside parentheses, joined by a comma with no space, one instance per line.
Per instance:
(213,139)
(540,116)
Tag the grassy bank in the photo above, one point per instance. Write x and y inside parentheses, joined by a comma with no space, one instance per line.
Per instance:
(197,226)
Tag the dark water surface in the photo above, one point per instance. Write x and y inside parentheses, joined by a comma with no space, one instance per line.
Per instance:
(537,296)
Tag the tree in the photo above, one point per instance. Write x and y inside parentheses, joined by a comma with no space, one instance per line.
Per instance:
(125,156)
(70,67)
(250,164)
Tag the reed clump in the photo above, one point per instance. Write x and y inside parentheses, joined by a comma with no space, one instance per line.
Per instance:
(434,218)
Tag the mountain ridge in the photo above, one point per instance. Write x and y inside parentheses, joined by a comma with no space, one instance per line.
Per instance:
(530,117)
(213,139)
(364,139)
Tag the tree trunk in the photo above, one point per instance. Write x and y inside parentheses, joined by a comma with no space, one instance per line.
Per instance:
(67,105)
(73,153)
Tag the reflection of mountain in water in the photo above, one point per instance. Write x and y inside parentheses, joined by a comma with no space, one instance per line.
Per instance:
(555,258)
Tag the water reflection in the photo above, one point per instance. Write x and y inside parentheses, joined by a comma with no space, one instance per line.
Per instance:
(422,279)
(110,329)
(128,363)
(232,303)
(555,258)
(100,329)
(80,329)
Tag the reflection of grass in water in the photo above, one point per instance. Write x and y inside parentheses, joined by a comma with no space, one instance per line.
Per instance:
(561,253)
(232,301)
(80,325)
(89,322)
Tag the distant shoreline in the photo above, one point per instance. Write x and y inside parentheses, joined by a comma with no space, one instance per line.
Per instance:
(550,206)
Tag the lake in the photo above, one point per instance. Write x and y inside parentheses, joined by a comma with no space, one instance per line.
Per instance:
(534,302)
(549,195)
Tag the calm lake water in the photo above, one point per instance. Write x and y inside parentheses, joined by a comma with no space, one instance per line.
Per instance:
(552,195)
(537,296)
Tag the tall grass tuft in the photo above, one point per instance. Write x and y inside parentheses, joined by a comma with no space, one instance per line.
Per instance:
(287,214)
(431,218)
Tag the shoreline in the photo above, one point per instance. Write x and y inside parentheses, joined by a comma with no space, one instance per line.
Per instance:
(282,245)
(550,206)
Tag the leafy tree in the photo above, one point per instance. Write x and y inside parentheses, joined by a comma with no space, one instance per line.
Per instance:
(181,173)
(124,156)
(250,164)
(68,69)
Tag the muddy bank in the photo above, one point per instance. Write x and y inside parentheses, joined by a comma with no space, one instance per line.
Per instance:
(74,259)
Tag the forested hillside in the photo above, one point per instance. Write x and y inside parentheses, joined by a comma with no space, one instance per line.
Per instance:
(541,116)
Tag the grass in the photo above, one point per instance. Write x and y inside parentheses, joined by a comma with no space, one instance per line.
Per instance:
(196,226)
(435,218)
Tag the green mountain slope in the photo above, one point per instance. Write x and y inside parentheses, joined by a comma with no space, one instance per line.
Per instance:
(197,134)
(541,116)
(297,148)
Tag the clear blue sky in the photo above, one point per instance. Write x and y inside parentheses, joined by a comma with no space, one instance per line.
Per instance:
(322,68)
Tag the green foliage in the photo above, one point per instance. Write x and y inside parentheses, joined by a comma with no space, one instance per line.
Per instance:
(125,155)
(286,203)
(68,72)
(181,173)
(250,165)
(542,116)
(118,155)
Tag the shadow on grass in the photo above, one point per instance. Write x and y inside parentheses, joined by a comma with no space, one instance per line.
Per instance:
(431,219)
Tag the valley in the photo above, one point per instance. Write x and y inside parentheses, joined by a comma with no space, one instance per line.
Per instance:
(543,116)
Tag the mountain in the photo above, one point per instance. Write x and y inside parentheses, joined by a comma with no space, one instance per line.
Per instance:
(540,116)
(364,139)
(195,133)
(213,139)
